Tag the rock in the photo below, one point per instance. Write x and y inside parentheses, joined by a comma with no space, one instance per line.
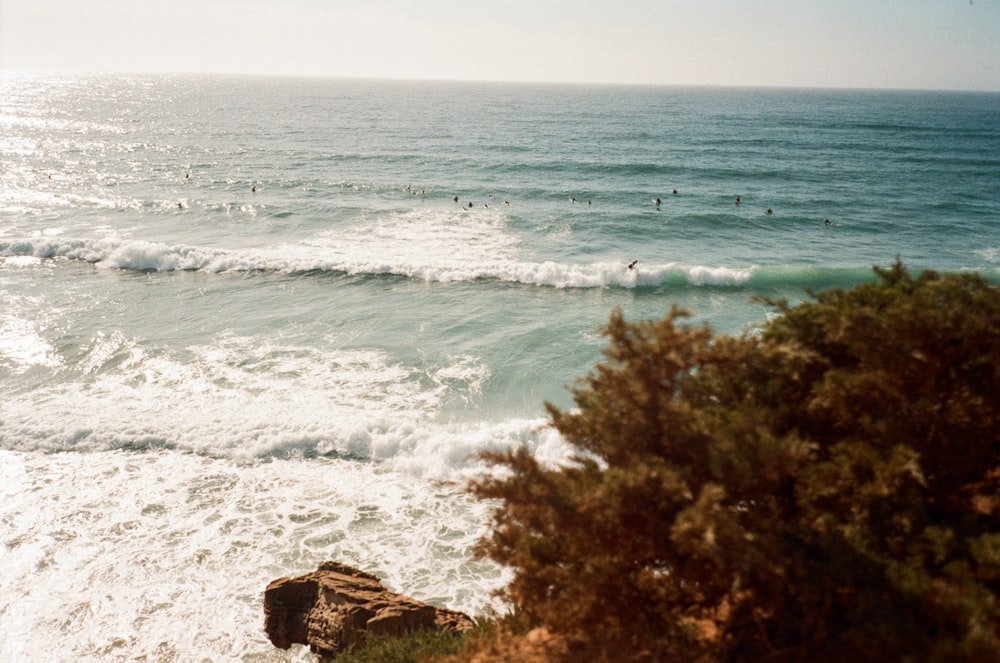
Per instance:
(333,607)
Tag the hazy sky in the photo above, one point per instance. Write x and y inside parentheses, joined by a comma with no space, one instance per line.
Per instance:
(951,44)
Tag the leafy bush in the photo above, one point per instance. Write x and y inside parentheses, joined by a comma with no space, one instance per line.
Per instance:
(824,490)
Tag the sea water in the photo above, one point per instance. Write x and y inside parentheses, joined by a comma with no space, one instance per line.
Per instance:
(248,325)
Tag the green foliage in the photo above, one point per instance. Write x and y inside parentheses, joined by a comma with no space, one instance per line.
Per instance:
(415,647)
(825,490)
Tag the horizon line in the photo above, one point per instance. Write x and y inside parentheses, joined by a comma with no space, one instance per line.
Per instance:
(14,71)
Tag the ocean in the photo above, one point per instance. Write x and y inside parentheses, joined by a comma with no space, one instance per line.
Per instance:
(248,325)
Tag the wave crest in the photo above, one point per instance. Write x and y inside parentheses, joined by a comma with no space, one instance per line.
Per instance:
(318,259)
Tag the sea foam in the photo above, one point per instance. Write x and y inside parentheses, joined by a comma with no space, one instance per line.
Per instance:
(102,549)
(151,256)
(241,398)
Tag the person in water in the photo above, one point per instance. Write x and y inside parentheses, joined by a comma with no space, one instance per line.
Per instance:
(738,201)
(632,264)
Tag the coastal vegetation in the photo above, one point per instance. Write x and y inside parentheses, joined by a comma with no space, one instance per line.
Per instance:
(414,647)
(824,488)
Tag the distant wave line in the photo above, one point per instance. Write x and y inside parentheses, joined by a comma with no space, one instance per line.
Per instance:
(143,256)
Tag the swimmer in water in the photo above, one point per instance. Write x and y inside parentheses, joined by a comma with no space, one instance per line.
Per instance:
(767,211)
(738,201)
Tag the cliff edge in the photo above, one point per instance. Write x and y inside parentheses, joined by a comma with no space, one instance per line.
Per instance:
(332,608)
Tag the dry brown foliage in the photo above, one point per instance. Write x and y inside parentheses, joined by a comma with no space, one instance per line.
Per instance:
(825,490)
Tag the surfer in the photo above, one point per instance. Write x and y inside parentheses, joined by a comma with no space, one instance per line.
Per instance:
(455,199)
(632,264)
(738,201)
(767,211)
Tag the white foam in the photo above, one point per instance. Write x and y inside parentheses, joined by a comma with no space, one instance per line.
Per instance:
(241,397)
(719,276)
(990,254)
(143,256)
(164,555)
(117,549)
(20,261)
(430,254)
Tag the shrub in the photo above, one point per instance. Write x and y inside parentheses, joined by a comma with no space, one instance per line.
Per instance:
(414,647)
(824,490)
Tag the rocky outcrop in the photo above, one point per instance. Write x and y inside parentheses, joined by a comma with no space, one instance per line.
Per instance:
(333,607)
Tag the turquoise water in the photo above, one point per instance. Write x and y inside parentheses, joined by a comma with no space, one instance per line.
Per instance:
(246,327)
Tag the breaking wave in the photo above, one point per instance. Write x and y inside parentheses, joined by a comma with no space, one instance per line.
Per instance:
(137,255)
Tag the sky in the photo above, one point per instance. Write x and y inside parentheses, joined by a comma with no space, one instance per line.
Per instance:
(908,44)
